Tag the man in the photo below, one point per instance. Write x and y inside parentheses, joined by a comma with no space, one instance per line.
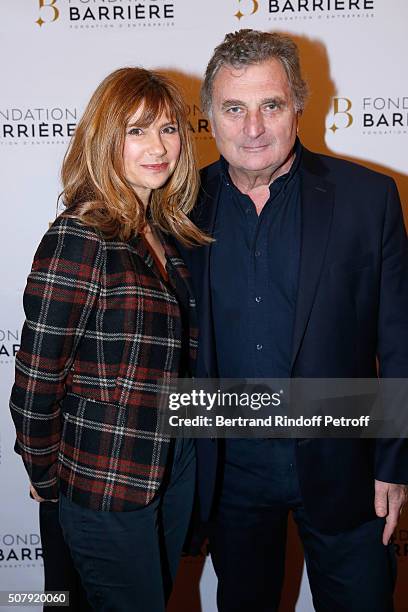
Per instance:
(307,277)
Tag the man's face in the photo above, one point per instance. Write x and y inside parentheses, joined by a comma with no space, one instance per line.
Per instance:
(253,118)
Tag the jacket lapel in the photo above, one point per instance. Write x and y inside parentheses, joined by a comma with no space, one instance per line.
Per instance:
(317,197)
(181,281)
(204,216)
(178,264)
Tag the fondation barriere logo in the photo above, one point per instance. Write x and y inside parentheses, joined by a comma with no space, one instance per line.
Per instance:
(198,122)
(371,115)
(39,124)
(386,113)
(342,117)
(20,550)
(48,12)
(9,345)
(106,13)
(253,6)
(304,9)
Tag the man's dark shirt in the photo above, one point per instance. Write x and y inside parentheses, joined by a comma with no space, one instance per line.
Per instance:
(254,275)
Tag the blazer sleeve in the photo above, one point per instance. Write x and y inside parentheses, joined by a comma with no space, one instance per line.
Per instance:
(61,290)
(391,458)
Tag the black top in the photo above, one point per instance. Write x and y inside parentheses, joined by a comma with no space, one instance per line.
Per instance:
(254,275)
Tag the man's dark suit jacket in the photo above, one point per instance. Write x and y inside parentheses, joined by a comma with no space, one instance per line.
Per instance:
(352,306)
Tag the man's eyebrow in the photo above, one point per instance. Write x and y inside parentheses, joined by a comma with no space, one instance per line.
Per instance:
(274,100)
(270,100)
(228,103)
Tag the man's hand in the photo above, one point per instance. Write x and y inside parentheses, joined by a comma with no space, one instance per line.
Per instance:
(38,498)
(389,501)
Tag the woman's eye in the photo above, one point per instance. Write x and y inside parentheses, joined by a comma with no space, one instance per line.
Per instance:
(170,129)
(135,131)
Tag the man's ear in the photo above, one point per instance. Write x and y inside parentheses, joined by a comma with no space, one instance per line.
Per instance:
(211,125)
(298,116)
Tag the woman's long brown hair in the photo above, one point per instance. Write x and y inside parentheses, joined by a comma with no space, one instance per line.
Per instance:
(95,189)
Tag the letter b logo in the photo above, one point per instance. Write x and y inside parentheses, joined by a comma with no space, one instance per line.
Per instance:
(341,107)
(253,6)
(48,10)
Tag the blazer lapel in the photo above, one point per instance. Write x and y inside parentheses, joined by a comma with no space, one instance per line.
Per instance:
(181,281)
(178,264)
(317,197)
(205,218)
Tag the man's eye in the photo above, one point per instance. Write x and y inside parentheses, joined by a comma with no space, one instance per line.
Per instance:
(234,110)
(272,106)
(135,131)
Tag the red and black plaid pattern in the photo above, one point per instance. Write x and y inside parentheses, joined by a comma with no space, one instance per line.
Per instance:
(102,329)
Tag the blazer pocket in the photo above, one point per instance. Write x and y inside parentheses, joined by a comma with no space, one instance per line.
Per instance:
(353,264)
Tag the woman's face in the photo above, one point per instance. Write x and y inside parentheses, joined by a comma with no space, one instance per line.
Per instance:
(150,153)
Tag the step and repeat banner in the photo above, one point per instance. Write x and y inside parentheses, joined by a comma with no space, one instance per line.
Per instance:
(54,54)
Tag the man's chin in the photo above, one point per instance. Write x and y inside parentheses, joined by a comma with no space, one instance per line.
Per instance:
(256,165)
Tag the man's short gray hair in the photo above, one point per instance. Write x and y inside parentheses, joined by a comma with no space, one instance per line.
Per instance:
(247,47)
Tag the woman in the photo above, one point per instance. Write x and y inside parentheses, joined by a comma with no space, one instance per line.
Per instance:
(108,314)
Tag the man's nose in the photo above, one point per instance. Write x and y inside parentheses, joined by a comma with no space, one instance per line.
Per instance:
(254,124)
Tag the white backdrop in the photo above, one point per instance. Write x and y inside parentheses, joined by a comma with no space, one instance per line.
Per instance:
(55,52)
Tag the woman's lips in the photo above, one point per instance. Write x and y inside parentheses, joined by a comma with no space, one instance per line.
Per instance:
(156,167)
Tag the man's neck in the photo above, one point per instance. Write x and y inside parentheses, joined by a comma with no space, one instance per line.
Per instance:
(256,184)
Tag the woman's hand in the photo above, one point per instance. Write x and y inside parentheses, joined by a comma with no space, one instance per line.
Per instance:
(38,498)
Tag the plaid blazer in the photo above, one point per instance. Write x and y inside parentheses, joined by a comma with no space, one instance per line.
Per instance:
(101,329)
